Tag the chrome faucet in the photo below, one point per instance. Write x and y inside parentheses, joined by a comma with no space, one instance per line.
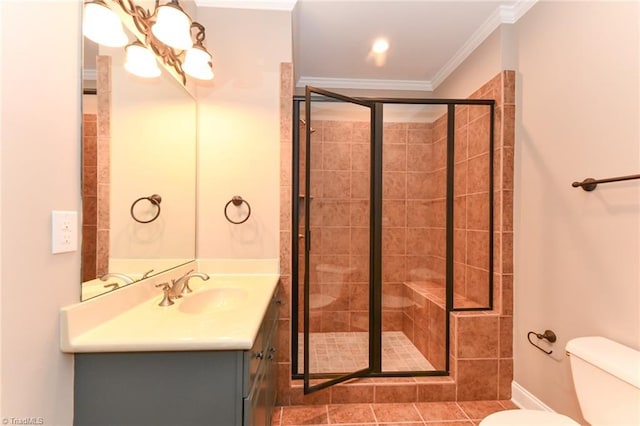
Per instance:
(126,278)
(180,286)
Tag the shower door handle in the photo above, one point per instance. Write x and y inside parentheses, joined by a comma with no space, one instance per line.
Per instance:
(301,237)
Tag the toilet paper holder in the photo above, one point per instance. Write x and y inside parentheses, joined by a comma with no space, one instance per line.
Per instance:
(548,335)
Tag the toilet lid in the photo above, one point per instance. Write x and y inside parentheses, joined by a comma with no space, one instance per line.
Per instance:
(527,418)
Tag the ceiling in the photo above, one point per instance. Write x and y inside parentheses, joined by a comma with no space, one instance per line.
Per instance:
(427,39)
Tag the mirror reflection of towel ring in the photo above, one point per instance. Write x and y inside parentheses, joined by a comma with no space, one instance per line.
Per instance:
(155,200)
(237,201)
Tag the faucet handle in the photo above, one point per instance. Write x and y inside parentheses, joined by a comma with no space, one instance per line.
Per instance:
(166,300)
(186,289)
(183,276)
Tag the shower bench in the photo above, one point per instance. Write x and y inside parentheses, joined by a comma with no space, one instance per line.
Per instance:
(423,320)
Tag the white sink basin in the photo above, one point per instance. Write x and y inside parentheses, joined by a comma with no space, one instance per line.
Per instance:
(215,299)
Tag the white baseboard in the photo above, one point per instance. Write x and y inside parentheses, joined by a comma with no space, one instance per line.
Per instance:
(525,399)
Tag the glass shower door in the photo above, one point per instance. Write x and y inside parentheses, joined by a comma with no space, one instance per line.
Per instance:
(337,296)
(413,237)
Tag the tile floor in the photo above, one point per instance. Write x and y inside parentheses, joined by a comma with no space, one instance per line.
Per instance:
(346,352)
(467,413)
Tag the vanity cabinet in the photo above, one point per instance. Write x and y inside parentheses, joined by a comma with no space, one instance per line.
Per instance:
(212,387)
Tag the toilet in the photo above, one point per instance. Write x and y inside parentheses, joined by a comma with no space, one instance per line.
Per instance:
(606,376)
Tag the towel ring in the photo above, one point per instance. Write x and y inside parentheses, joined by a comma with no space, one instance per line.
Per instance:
(155,200)
(237,201)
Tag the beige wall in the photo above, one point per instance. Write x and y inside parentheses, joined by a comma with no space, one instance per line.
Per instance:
(576,253)
(40,168)
(577,108)
(239,145)
(152,151)
(1,244)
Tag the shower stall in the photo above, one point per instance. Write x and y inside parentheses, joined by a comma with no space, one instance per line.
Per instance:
(392,230)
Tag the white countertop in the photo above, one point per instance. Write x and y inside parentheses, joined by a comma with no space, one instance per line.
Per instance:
(231,322)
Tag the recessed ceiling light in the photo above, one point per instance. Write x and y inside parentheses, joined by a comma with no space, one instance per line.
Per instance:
(381,45)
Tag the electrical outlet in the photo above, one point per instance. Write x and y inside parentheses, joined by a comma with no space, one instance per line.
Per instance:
(64,231)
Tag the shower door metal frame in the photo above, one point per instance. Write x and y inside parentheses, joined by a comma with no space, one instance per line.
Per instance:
(374,267)
(375,314)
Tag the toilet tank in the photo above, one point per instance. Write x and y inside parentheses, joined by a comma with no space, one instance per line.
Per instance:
(606,376)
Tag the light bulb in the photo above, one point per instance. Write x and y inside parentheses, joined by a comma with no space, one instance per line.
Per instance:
(173,27)
(103,25)
(197,63)
(381,45)
(141,61)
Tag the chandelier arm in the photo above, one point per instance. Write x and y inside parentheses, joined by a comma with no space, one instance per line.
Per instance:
(140,16)
(142,20)
(128,6)
(200,35)
(172,59)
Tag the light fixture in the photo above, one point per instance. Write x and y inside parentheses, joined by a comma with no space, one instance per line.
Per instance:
(167,32)
(378,51)
(141,61)
(197,63)
(102,25)
(173,26)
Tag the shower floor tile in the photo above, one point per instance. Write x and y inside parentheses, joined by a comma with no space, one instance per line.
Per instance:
(348,352)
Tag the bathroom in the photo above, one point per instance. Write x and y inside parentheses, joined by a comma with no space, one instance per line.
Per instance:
(575,254)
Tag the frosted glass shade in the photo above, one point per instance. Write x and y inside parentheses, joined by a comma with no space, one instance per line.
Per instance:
(173,27)
(197,63)
(141,61)
(102,25)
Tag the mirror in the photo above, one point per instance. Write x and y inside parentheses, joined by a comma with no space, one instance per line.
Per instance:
(138,172)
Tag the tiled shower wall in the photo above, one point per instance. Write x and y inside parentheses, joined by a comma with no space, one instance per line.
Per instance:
(480,354)
(408,238)
(95,178)
(89,195)
(339,232)
(471,205)
(339,259)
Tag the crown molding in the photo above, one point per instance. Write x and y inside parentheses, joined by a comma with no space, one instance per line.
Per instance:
(286,5)
(502,15)
(364,83)
(509,14)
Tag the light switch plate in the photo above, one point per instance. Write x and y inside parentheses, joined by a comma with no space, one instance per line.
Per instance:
(64,231)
